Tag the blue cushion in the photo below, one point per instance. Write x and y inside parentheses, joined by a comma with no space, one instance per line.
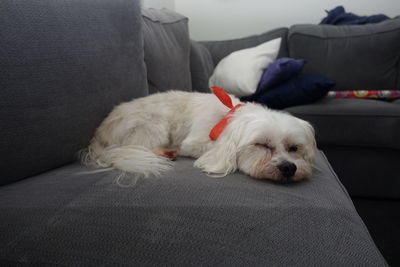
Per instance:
(300,90)
(279,71)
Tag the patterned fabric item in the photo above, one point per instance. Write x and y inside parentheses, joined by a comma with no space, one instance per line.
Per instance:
(377,94)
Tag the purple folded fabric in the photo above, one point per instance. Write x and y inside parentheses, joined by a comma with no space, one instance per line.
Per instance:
(338,16)
(299,90)
(279,71)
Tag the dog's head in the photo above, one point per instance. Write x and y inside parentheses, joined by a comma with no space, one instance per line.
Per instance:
(264,144)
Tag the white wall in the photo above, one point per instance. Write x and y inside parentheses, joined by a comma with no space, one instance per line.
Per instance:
(170,4)
(227,19)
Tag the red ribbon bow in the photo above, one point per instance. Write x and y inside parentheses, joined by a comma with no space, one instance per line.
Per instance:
(226,100)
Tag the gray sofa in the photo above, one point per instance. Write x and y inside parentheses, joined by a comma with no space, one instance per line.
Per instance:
(63,66)
(360,136)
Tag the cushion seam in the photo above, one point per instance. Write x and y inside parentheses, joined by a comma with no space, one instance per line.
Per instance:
(342,37)
(249,37)
(356,145)
(24,263)
(345,115)
(165,23)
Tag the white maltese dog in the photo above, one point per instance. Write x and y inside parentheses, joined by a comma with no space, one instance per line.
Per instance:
(144,135)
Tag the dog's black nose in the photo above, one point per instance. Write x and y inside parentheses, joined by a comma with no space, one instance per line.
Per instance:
(287,169)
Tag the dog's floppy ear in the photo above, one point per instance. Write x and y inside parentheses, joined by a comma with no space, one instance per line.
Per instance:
(221,159)
(311,143)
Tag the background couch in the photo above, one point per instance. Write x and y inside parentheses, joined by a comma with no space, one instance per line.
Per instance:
(359,136)
(63,66)
(355,133)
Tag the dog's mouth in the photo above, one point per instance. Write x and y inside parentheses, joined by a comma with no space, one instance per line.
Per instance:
(275,175)
(280,171)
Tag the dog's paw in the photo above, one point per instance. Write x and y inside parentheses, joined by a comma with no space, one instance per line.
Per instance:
(166,153)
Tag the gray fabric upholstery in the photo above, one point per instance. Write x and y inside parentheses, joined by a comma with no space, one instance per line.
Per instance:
(201,67)
(356,57)
(63,66)
(220,49)
(353,122)
(167,50)
(184,218)
(366,171)
(360,138)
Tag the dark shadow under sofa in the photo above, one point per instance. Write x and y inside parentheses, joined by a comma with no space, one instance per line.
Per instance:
(63,66)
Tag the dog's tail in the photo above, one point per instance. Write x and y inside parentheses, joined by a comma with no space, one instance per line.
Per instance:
(130,158)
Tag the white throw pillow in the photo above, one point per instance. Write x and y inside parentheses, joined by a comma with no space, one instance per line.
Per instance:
(240,72)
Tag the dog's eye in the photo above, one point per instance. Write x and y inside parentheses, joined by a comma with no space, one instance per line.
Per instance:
(293,148)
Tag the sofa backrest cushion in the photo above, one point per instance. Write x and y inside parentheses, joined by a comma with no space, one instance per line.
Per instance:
(63,66)
(167,50)
(220,49)
(201,67)
(356,57)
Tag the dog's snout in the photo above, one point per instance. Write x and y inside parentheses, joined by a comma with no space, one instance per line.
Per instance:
(287,169)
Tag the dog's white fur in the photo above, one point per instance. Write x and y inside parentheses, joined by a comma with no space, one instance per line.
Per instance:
(257,140)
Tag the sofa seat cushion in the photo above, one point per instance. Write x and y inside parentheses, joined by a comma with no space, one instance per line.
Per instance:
(396,102)
(353,122)
(68,218)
